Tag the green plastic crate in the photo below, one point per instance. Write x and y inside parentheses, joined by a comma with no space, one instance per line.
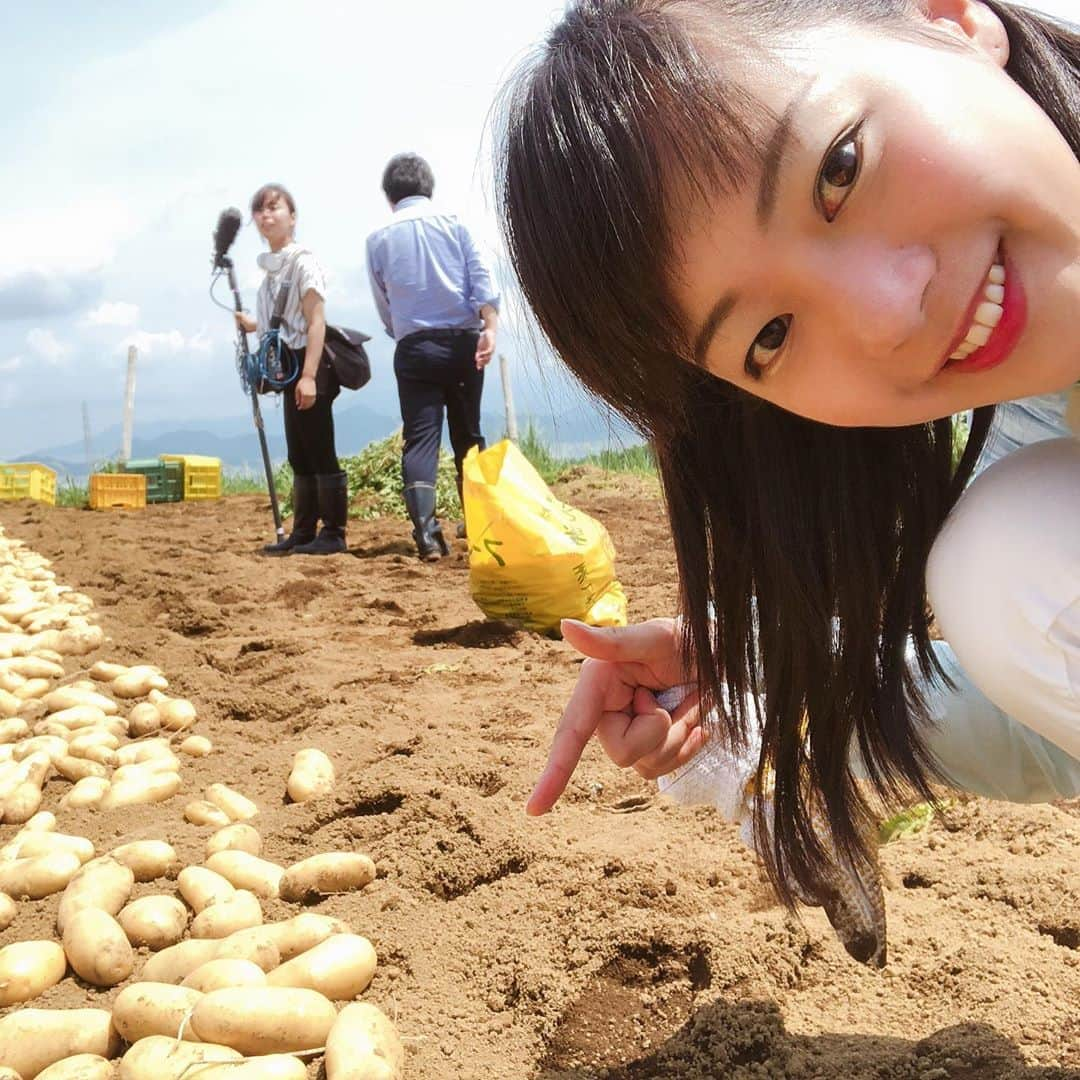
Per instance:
(164,479)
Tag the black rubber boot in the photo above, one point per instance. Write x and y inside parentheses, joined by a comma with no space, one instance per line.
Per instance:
(460,532)
(305,502)
(427,532)
(334,510)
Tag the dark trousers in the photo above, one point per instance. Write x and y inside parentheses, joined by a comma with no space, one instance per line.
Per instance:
(309,433)
(436,374)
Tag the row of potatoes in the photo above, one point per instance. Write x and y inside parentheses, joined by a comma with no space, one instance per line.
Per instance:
(222,991)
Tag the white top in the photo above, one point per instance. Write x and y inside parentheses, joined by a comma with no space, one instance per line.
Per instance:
(298,265)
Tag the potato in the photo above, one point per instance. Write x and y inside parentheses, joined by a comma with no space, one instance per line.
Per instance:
(196,746)
(74,641)
(201,812)
(52,746)
(135,752)
(22,804)
(268,1067)
(40,876)
(321,875)
(144,718)
(152,788)
(222,974)
(77,768)
(28,969)
(10,705)
(246,871)
(44,843)
(40,822)
(148,860)
(32,689)
(33,1039)
(202,887)
(154,921)
(250,945)
(264,1019)
(312,775)
(158,1057)
(238,837)
(149,1008)
(68,697)
(232,913)
(138,682)
(144,771)
(14,729)
(103,671)
(300,933)
(102,883)
(339,968)
(79,1067)
(79,716)
(89,791)
(8,1074)
(176,713)
(232,802)
(364,1045)
(175,963)
(97,947)
(35,667)
(96,736)
(8,911)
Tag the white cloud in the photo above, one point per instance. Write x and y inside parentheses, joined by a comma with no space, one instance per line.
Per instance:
(47,345)
(113,313)
(11,364)
(168,342)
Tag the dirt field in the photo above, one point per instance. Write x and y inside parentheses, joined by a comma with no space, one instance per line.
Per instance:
(617,938)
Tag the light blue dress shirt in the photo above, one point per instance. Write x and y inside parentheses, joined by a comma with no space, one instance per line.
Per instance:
(426,272)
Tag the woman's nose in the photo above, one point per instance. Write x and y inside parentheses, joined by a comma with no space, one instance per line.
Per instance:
(871,293)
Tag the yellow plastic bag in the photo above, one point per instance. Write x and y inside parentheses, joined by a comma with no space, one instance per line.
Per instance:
(533,559)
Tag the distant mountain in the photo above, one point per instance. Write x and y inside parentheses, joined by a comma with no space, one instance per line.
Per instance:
(578,430)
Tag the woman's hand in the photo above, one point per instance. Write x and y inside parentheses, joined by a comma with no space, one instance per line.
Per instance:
(245,322)
(614,699)
(305,392)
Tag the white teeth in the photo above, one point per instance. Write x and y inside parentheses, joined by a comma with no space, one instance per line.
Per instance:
(987,315)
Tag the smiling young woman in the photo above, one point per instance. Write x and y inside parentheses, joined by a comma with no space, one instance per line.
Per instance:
(789,239)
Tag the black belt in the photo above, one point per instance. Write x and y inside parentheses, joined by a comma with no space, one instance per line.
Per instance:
(439,333)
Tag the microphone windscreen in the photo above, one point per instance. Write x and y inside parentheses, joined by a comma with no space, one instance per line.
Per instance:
(228,226)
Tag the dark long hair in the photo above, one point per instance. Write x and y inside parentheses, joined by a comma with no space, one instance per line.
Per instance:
(801,547)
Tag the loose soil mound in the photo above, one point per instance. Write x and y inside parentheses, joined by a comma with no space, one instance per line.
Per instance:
(618,938)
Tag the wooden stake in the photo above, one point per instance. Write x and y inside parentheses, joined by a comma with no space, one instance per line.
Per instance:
(129,404)
(508,399)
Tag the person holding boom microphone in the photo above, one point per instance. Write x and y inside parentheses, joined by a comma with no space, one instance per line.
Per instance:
(320,489)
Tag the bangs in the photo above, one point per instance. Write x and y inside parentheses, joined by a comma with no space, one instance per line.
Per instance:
(623,121)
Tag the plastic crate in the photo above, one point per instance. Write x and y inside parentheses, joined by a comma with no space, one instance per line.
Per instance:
(164,479)
(202,475)
(28,480)
(117,491)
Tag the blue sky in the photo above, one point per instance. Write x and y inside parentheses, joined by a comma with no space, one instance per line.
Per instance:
(127,128)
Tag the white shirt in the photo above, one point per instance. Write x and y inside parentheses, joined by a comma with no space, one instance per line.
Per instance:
(298,265)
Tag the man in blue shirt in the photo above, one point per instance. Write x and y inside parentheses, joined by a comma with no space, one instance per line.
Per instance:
(438,301)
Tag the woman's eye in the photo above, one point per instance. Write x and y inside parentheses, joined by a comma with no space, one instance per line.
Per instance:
(838,174)
(766,345)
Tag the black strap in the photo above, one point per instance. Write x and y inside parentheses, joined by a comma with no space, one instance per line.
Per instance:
(283,292)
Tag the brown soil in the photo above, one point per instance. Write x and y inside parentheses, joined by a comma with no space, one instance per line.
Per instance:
(618,938)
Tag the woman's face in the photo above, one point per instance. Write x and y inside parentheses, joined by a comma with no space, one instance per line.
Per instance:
(275,221)
(915,252)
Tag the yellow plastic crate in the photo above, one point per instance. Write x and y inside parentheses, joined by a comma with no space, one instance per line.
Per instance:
(202,475)
(117,491)
(28,480)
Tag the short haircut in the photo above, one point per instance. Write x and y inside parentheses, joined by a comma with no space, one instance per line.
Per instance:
(266,191)
(405,175)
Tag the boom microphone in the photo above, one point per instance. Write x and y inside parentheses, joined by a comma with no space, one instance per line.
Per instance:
(228,225)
